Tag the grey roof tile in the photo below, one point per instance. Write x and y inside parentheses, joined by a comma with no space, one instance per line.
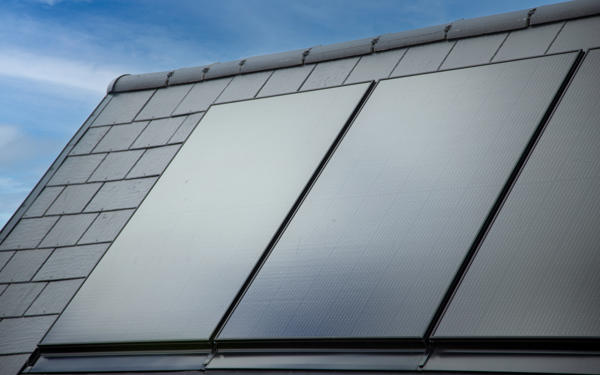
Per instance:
(472,51)
(76,169)
(89,140)
(187,75)
(121,194)
(153,162)
(11,364)
(116,165)
(68,230)
(120,137)
(223,69)
(158,132)
(421,59)
(186,128)
(202,95)
(3,288)
(23,265)
(565,10)
(122,107)
(244,86)
(54,297)
(286,80)
(411,37)
(581,33)
(489,24)
(28,233)
(4,258)
(273,61)
(18,297)
(375,66)
(164,102)
(71,262)
(528,42)
(21,335)
(43,201)
(340,50)
(106,226)
(130,82)
(73,199)
(330,73)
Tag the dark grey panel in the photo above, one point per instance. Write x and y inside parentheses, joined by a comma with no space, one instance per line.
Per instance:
(582,33)
(11,364)
(186,128)
(89,140)
(28,233)
(70,262)
(378,239)
(176,266)
(425,58)
(202,95)
(536,273)
(121,194)
(158,132)
(106,226)
(244,86)
(473,51)
(68,230)
(163,102)
(330,73)
(123,107)
(286,80)
(43,201)
(4,258)
(21,335)
(154,161)
(528,42)
(116,165)
(17,298)
(120,137)
(23,265)
(54,297)
(76,169)
(375,66)
(73,199)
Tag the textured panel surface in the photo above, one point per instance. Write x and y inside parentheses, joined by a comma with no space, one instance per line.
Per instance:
(204,210)
(186,128)
(121,194)
(528,42)
(106,226)
(378,239)
(71,262)
(73,199)
(43,201)
(202,95)
(116,165)
(89,140)
(120,137)
(331,73)
(23,265)
(54,297)
(4,258)
(541,253)
(11,364)
(425,58)
(583,33)
(163,102)
(154,161)
(286,80)
(28,233)
(375,66)
(473,51)
(18,297)
(245,86)
(158,132)
(22,335)
(76,169)
(68,230)
(123,107)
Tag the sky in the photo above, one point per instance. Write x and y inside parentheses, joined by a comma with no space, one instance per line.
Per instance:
(58,56)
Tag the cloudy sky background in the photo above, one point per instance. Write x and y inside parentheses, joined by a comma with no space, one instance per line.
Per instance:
(57,57)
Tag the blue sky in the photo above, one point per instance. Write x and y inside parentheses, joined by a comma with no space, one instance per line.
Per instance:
(57,57)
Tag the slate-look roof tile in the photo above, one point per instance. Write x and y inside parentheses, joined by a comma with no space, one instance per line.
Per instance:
(17,298)
(375,66)
(68,230)
(28,233)
(424,58)
(106,226)
(11,364)
(89,140)
(153,162)
(158,132)
(43,201)
(71,262)
(21,335)
(244,86)
(286,80)
(527,42)
(121,194)
(23,265)
(73,199)
(164,102)
(330,73)
(188,125)
(473,51)
(116,165)
(581,33)
(4,258)
(123,108)
(54,297)
(76,169)
(120,137)
(202,95)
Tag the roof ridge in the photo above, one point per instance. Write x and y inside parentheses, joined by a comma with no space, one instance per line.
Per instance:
(462,28)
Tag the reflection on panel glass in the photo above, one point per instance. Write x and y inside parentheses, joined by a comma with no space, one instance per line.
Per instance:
(176,266)
(537,271)
(374,246)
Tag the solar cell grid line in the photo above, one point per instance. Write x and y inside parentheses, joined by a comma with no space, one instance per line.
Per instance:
(378,239)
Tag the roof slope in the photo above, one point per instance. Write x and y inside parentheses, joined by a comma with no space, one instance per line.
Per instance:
(71,217)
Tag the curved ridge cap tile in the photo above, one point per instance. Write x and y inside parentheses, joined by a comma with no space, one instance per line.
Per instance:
(489,24)
(132,82)
(188,75)
(274,61)
(340,50)
(411,37)
(229,68)
(111,85)
(565,11)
